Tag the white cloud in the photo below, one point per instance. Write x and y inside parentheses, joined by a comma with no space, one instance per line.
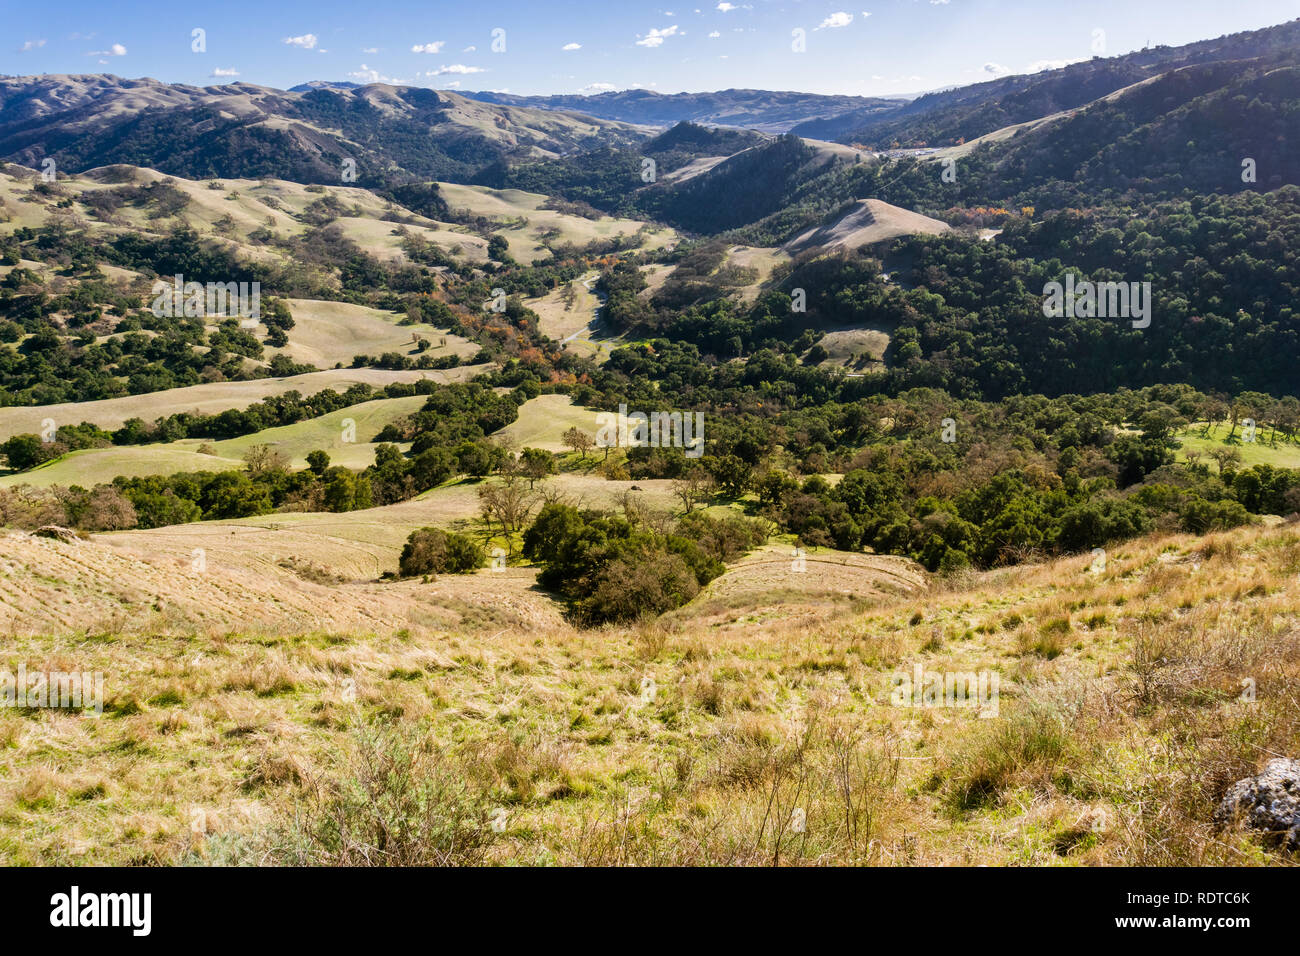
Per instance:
(996,69)
(433,47)
(571,46)
(1038,66)
(307,41)
(656,37)
(598,88)
(836,20)
(459,68)
(470,49)
(714,35)
(367,75)
(370,49)
(31,45)
(115,50)
(225,72)
(726,7)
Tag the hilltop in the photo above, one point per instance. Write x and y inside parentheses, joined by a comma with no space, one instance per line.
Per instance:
(769,111)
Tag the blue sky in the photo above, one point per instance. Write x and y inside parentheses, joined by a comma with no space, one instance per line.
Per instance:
(867,47)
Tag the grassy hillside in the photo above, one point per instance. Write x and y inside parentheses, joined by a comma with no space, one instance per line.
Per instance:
(1118,723)
(914,471)
(329,333)
(366,543)
(529,225)
(236,212)
(211,398)
(1258,452)
(93,466)
(868,221)
(230,211)
(577,323)
(543,420)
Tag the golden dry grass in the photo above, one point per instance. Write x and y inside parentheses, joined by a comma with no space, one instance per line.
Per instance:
(327,333)
(870,221)
(533,224)
(855,348)
(560,321)
(211,398)
(328,433)
(543,421)
(709,737)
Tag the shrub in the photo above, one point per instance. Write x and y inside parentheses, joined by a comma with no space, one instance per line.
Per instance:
(28,451)
(434,551)
(725,538)
(103,509)
(631,588)
(397,802)
(616,568)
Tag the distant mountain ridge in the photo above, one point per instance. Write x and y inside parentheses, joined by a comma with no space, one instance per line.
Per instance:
(242,130)
(1143,121)
(324,85)
(768,111)
(949,116)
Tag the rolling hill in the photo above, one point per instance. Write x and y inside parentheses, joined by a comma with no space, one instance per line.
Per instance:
(868,222)
(345,435)
(210,398)
(765,110)
(949,116)
(246,131)
(477,642)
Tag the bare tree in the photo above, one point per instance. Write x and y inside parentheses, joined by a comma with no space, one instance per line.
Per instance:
(507,503)
(1214,410)
(1225,456)
(1235,409)
(692,488)
(579,441)
(639,512)
(263,460)
(551,494)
